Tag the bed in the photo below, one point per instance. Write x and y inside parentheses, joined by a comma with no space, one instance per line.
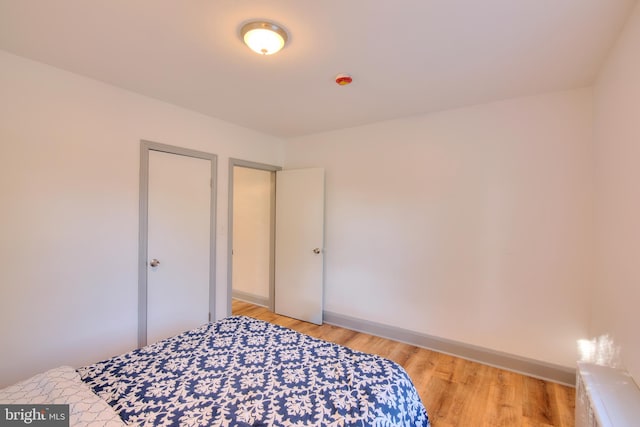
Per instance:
(243,372)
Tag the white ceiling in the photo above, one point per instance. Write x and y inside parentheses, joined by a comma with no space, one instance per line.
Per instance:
(406,56)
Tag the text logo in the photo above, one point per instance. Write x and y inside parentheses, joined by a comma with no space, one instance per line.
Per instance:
(34,415)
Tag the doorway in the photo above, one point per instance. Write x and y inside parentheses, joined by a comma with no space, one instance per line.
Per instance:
(251,269)
(176,268)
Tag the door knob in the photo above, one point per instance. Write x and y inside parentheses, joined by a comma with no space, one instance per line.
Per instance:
(316,251)
(154,263)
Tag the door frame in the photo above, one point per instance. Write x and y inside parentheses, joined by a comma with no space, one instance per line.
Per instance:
(272,239)
(143,230)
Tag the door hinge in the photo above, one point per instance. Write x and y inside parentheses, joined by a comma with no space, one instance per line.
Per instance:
(209,316)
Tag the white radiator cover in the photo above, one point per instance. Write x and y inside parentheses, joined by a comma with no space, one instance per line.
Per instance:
(606,397)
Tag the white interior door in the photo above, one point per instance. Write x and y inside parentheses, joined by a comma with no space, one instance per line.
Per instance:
(179,232)
(299,244)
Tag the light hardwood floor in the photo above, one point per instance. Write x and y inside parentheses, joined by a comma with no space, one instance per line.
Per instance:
(456,392)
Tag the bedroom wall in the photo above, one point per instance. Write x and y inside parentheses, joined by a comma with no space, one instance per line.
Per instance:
(617,138)
(69,165)
(472,224)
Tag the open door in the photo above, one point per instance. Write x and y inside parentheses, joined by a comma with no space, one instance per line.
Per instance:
(299,262)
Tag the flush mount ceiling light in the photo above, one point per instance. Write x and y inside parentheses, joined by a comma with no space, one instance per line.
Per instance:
(263,37)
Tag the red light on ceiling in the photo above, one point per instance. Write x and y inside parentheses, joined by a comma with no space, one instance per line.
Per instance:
(343,79)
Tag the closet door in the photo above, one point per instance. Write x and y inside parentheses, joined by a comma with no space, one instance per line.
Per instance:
(179,264)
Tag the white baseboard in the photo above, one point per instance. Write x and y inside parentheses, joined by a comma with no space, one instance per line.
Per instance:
(250,298)
(534,368)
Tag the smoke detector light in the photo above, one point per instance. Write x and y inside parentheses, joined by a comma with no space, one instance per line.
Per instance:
(343,79)
(263,37)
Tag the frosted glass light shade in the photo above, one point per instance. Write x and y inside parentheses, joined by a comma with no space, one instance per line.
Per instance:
(264,38)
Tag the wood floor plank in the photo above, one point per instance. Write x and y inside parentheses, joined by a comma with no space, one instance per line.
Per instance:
(456,392)
(538,405)
(505,403)
(565,401)
(440,399)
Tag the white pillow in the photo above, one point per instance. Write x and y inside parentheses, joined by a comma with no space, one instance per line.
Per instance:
(63,386)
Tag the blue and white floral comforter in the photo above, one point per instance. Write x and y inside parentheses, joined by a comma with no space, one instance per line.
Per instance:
(245,372)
